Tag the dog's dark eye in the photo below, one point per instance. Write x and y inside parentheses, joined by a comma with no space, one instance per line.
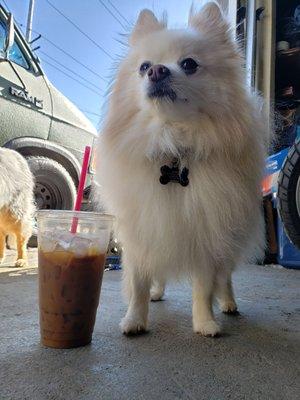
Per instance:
(189,65)
(146,65)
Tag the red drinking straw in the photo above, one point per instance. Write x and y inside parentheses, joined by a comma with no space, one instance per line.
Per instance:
(84,169)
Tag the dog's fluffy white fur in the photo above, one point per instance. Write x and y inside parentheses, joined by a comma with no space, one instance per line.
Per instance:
(214,127)
(16,202)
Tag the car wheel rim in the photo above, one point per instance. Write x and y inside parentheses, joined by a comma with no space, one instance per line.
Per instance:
(46,197)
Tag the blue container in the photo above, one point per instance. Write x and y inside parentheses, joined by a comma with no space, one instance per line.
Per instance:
(113,263)
(288,254)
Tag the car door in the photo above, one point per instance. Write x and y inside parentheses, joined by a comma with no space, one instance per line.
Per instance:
(25,101)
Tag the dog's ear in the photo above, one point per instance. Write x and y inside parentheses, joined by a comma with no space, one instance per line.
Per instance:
(209,19)
(146,23)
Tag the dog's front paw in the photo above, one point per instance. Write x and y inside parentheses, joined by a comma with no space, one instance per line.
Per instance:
(131,325)
(21,263)
(156,293)
(229,307)
(207,328)
(1,260)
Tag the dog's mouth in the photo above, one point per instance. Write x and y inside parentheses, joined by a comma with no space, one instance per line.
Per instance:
(161,90)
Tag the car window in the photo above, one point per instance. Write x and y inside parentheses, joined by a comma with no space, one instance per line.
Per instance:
(15,53)
(2,38)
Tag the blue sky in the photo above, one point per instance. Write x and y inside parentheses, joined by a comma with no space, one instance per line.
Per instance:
(95,20)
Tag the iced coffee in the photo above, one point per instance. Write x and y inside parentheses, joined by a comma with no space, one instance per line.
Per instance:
(70,275)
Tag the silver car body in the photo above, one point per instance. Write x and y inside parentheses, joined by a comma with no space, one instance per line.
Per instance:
(35,117)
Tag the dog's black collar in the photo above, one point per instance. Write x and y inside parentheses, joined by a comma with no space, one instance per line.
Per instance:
(173,174)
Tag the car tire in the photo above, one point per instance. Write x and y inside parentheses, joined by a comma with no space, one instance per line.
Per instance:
(289,194)
(54,187)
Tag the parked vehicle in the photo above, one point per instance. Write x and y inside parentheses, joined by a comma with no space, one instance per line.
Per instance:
(289,193)
(39,122)
(281,189)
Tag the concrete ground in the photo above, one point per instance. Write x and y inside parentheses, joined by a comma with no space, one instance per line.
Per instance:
(256,358)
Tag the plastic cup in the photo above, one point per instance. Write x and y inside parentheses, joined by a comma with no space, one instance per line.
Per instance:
(70,269)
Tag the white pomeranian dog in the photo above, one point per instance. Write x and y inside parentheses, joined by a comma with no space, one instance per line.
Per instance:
(180,162)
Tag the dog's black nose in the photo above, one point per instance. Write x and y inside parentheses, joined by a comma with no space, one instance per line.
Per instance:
(158,73)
